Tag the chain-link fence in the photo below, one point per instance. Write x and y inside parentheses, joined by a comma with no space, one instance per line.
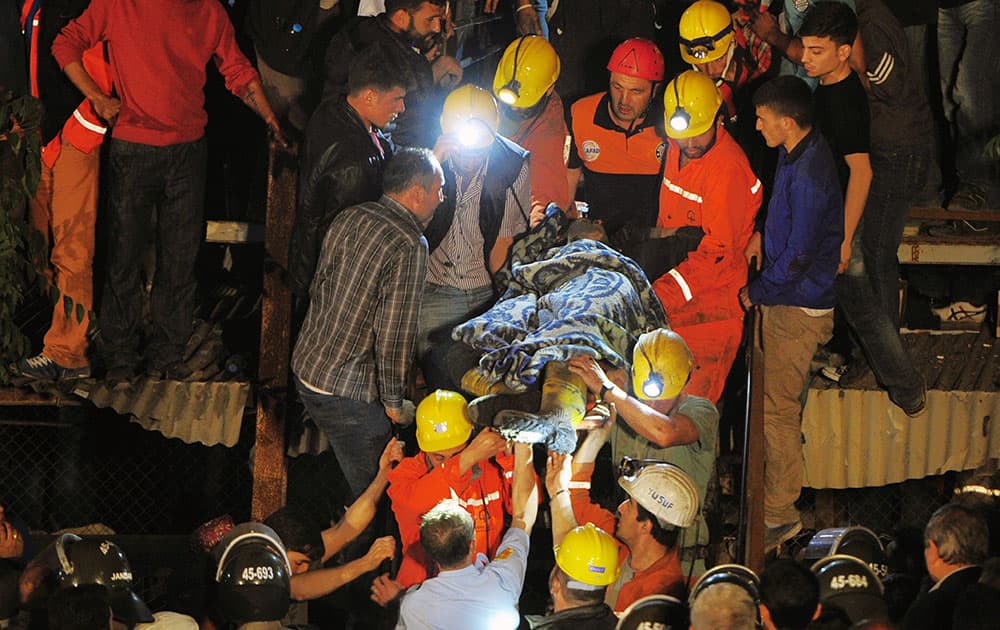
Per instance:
(72,466)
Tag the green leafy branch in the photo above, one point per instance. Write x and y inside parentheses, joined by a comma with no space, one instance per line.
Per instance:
(20,171)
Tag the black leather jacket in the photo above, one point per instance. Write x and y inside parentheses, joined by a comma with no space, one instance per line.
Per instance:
(340,167)
(418,126)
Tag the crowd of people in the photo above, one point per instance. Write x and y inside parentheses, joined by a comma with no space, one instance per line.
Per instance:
(565,274)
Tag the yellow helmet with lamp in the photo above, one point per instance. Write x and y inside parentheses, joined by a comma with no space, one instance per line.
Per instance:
(528,69)
(661,365)
(442,421)
(589,555)
(706,32)
(470,113)
(691,104)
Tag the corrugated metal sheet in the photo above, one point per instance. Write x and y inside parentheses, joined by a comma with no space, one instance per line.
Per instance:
(208,413)
(857,438)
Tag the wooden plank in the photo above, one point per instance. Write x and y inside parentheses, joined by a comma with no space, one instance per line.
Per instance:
(988,378)
(22,397)
(925,251)
(941,214)
(270,469)
(235,232)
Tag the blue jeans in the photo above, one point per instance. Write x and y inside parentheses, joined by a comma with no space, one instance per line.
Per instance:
(357,432)
(876,332)
(542,7)
(930,189)
(442,309)
(969,58)
(896,176)
(142,179)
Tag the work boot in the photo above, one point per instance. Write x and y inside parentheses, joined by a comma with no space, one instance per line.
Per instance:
(484,409)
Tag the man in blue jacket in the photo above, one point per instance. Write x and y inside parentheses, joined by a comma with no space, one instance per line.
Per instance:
(802,237)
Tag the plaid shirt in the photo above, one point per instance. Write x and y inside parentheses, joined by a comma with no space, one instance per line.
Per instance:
(358,338)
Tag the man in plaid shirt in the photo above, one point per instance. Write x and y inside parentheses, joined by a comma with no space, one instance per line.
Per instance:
(357,342)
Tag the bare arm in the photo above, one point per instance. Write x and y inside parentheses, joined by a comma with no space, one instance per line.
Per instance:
(855,198)
(766,27)
(107,107)
(487,443)
(524,491)
(501,250)
(362,511)
(313,584)
(650,421)
(558,472)
(256,100)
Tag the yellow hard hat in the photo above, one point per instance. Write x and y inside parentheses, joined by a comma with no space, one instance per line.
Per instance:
(588,554)
(706,31)
(442,421)
(666,491)
(690,104)
(470,112)
(528,68)
(661,365)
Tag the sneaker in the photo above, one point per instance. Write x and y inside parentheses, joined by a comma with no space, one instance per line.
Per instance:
(774,537)
(968,200)
(961,312)
(42,368)
(917,409)
(845,375)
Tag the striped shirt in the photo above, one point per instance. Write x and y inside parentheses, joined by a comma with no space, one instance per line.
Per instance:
(458,260)
(358,338)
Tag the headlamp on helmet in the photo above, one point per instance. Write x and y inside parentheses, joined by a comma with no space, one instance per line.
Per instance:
(705,32)
(527,70)
(680,120)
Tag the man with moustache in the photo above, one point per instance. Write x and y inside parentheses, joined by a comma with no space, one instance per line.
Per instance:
(615,144)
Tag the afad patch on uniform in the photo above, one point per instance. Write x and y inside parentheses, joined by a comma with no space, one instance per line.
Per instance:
(661,149)
(590,150)
(505,553)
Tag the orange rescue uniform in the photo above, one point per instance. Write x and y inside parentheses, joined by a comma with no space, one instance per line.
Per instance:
(544,136)
(415,487)
(719,193)
(621,166)
(663,577)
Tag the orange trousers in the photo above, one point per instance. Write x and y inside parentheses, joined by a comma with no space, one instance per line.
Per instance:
(64,210)
(714,346)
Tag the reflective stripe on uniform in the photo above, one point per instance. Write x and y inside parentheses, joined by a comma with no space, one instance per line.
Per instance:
(674,188)
(682,283)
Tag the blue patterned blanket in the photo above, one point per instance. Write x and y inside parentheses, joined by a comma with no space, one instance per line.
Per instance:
(582,298)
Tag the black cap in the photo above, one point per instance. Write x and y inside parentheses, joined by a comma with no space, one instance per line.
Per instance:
(99,561)
(253,575)
(849,584)
(655,611)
